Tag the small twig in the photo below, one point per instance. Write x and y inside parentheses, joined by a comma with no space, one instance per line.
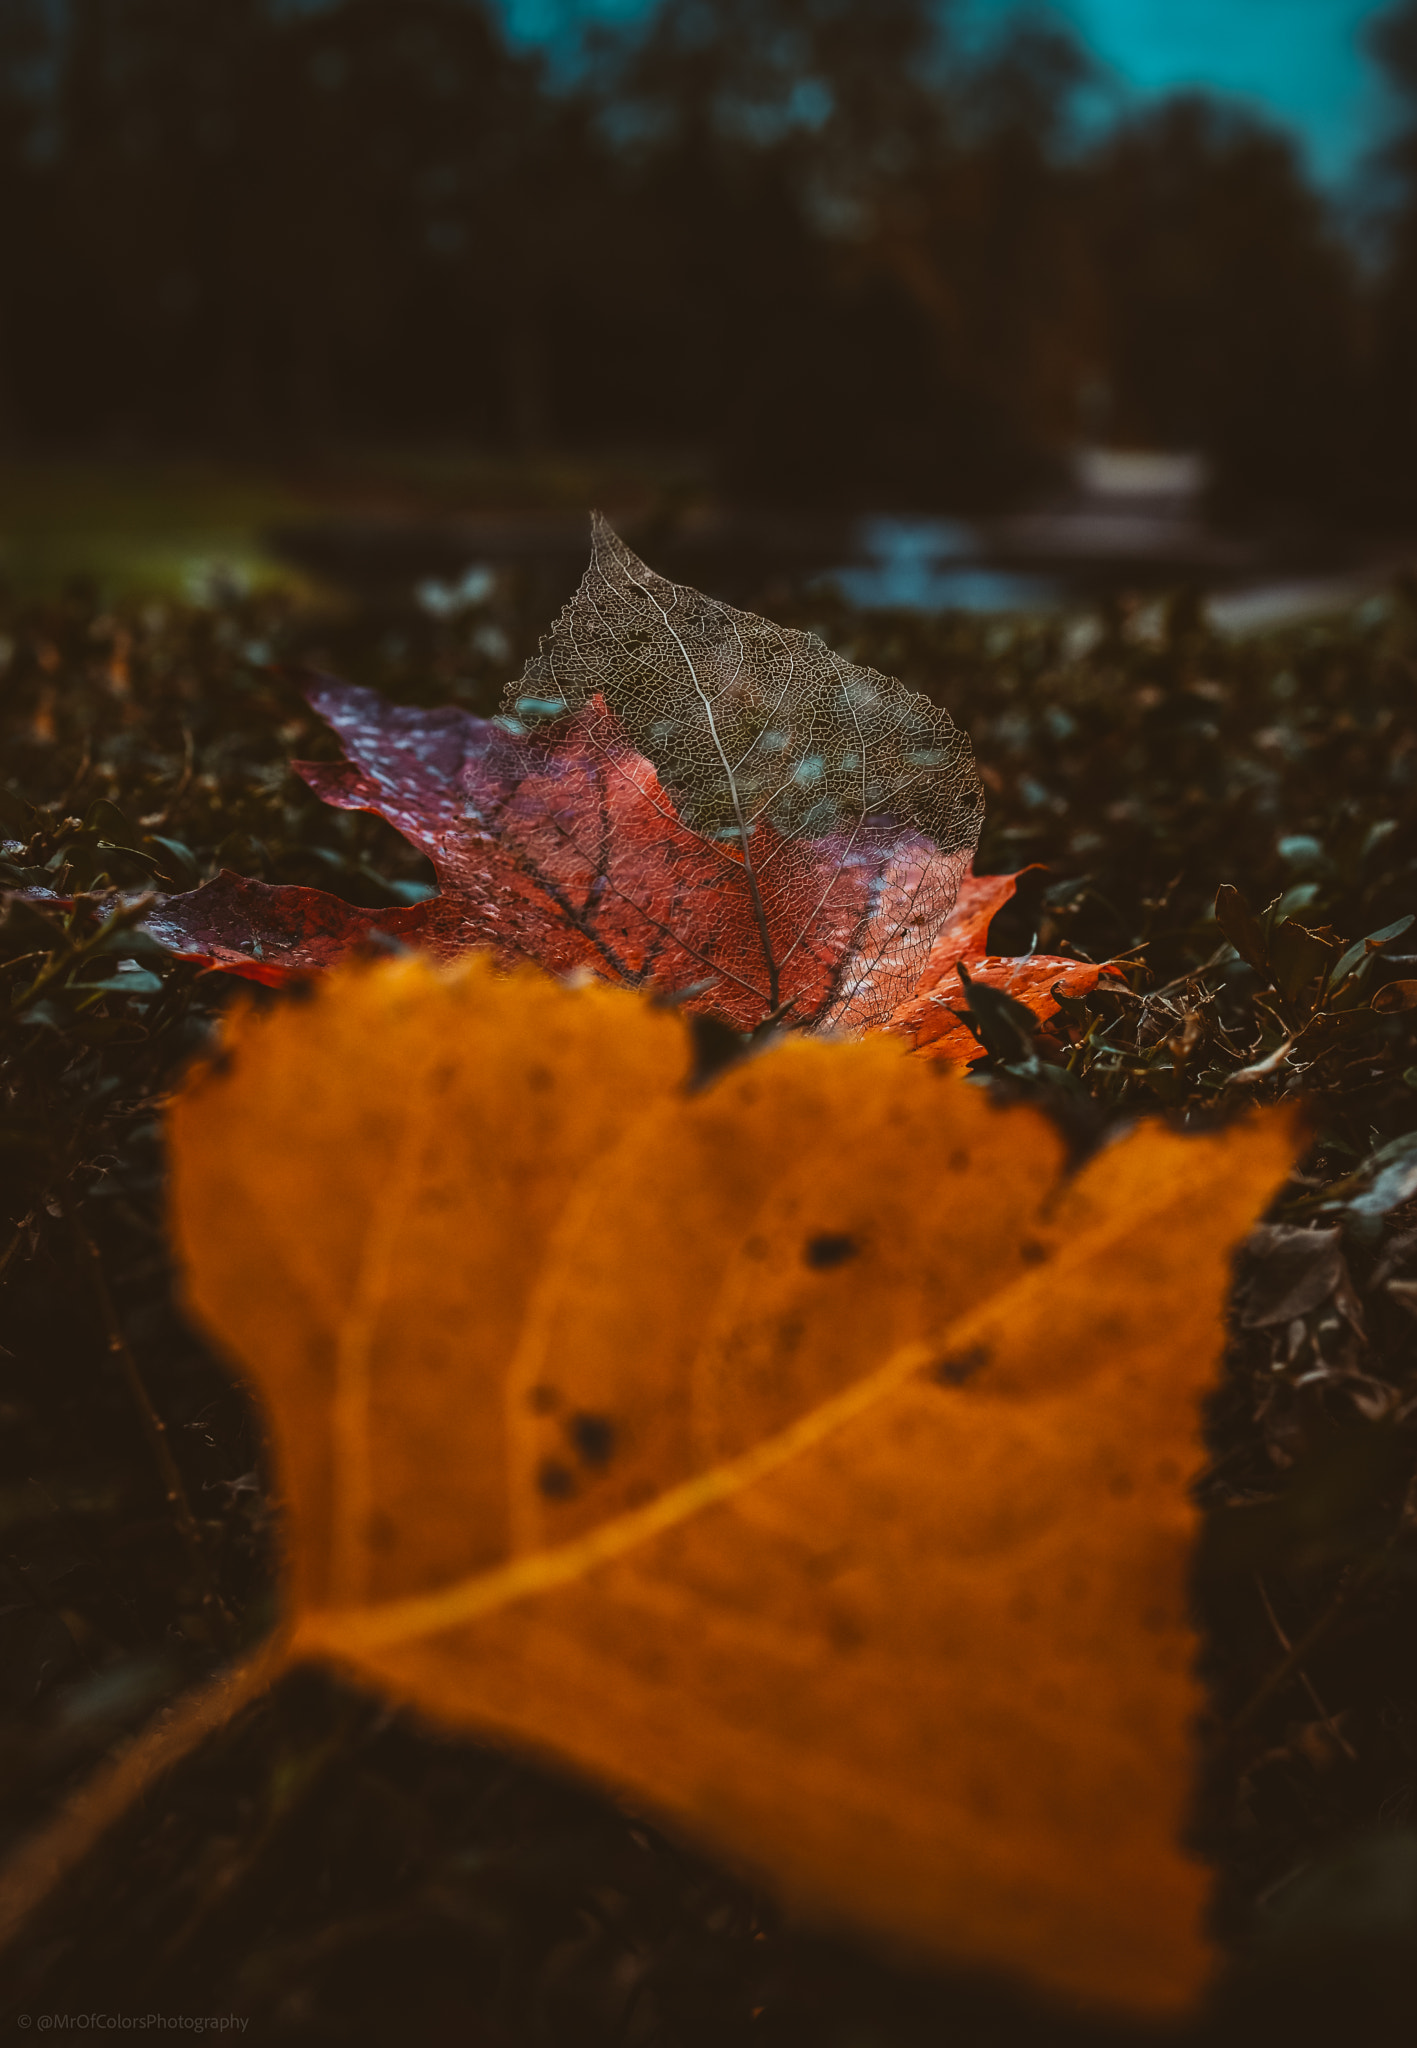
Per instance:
(1320,1709)
(1274,1060)
(1262,1067)
(1194,973)
(156,1431)
(1300,1653)
(772,1019)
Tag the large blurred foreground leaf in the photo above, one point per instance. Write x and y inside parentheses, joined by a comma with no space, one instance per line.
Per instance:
(805,1456)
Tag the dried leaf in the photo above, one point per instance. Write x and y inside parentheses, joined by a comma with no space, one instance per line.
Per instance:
(932,1018)
(1238,922)
(1289,1272)
(1298,956)
(965,932)
(1385,1179)
(679,795)
(804,1456)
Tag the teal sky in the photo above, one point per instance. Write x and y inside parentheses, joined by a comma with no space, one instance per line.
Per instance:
(1302,62)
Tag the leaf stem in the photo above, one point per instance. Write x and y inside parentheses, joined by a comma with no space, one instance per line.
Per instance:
(41,1865)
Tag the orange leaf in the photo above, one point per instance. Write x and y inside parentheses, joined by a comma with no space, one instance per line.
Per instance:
(964,931)
(806,1457)
(931,1019)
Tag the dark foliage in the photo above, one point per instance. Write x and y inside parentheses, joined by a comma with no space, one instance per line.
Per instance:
(817,240)
(335,1873)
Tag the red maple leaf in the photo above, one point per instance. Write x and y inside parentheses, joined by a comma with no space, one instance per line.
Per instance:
(932,1017)
(570,854)
(567,850)
(677,796)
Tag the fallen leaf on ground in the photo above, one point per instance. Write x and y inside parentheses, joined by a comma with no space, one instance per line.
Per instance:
(930,1017)
(678,795)
(1288,1272)
(805,1457)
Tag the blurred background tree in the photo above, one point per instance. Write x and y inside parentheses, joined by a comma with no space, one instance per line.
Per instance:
(832,245)
(1394,352)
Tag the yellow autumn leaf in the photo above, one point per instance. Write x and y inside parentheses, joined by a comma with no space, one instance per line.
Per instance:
(804,1457)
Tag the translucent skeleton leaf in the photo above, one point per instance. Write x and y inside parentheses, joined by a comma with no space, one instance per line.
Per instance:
(678,796)
(805,1457)
(827,788)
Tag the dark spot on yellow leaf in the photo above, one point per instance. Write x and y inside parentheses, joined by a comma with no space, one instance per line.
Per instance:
(539,1079)
(1032,1252)
(845,1634)
(960,1366)
(829,1248)
(554,1480)
(543,1400)
(593,1437)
